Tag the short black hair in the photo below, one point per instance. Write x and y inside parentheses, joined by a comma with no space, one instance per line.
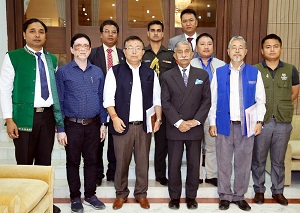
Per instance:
(156,22)
(131,38)
(80,35)
(204,35)
(271,36)
(188,10)
(109,22)
(33,20)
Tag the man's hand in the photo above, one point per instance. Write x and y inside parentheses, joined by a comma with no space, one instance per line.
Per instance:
(213,131)
(258,129)
(119,125)
(184,127)
(192,123)
(62,138)
(156,126)
(102,133)
(11,128)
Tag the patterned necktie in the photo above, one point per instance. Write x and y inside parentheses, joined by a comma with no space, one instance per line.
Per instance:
(109,59)
(185,78)
(190,41)
(43,77)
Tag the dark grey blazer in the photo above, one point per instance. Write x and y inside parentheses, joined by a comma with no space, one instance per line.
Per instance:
(97,57)
(187,103)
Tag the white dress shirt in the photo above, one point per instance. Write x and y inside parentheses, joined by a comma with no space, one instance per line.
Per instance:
(260,97)
(193,41)
(6,85)
(136,100)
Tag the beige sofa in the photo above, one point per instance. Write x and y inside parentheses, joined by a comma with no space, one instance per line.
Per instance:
(26,188)
(292,156)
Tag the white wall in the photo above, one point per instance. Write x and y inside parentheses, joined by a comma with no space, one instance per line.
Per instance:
(3,50)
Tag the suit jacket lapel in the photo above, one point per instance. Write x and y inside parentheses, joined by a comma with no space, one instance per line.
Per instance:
(191,83)
(179,79)
(101,56)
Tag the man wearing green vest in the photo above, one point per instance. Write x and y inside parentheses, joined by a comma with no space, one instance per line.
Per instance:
(29,98)
(281,81)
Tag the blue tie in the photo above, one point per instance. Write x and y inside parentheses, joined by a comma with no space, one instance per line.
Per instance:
(43,77)
(185,78)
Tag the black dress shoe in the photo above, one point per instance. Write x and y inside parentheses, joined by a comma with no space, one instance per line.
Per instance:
(259,198)
(174,203)
(98,182)
(163,181)
(224,204)
(280,199)
(200,181)
(191,203)
(242,204)
(56,209)
(213,181)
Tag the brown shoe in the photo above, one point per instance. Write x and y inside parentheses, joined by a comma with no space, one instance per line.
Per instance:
(144,203)
(259,198)
(119,203)
(280,199)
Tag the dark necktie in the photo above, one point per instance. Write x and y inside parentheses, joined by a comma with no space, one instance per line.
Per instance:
(43,77)
(185,78)
(190,41)
(109,59)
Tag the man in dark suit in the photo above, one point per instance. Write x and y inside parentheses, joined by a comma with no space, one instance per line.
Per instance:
(185,101)
(106,56)
(189,23)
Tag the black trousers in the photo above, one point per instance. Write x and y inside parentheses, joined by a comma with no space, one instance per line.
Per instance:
(161,150)
(175,151)
(82,140)
(36,147)
(111,168)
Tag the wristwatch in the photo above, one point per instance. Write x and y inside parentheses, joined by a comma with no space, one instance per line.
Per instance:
(260,122)
(159,120)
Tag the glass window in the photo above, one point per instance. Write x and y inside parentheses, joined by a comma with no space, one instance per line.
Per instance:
(94,12)
(141,12)
(52,13)
(205,9)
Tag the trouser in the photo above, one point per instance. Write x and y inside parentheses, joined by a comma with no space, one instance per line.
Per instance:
(36,147)
(240,147)
(161,150)
(135,141)
(209,144)
(82,140)
(175,152)
(274,137)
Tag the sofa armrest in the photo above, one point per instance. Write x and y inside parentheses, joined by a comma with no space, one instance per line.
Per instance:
(12,203)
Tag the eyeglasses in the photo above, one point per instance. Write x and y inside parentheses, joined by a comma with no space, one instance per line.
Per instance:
(80,46)
(114,32)
(131,48)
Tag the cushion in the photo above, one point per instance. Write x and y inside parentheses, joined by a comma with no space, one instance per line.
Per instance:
(30,191)
(295,149)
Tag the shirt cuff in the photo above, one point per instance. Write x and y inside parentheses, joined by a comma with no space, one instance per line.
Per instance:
(60,129)
(199,123)
(177,124)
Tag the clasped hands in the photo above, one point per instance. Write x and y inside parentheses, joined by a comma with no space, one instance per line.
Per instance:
(187,125)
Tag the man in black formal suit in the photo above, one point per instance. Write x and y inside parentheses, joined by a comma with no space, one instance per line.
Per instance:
(185,94)
(106,56)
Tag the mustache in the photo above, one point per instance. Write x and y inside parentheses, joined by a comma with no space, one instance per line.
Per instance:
(184,58)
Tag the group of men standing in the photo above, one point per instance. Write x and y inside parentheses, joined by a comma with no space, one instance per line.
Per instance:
(198,100)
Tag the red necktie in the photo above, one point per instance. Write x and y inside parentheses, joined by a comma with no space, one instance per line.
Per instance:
(109,59)
(190,41)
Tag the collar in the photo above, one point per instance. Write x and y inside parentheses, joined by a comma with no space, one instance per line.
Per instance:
(32,51)
(209,60)
(162,48)
(280,64)
(193,36)
(131,67)
(74,64)
(241,67)
(187,68)
(105,47)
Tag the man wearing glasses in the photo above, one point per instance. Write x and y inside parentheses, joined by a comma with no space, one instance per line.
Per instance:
(80,89)
(189,23)
(106,56)
(130,89)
